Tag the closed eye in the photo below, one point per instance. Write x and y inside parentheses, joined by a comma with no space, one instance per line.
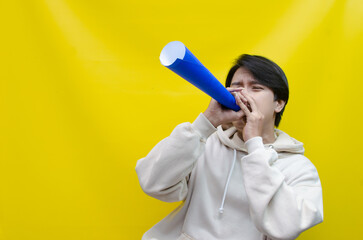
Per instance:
(257,88)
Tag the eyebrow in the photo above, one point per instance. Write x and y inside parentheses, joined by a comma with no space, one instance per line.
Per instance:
(240,83)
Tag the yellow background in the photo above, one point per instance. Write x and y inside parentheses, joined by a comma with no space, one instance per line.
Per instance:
(83,96)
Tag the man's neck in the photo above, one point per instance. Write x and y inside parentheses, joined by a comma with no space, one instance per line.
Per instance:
(268,136)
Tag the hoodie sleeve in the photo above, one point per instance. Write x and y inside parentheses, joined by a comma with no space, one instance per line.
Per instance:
(278,209)
(164,172)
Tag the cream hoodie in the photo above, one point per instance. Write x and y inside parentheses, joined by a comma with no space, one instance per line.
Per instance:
(230,189)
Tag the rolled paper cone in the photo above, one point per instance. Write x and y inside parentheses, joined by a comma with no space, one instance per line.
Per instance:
(177,57)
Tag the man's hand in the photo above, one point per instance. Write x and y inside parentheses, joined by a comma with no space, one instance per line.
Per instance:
(217,114)
(254,118)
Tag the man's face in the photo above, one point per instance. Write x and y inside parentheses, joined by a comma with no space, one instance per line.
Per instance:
(262,95)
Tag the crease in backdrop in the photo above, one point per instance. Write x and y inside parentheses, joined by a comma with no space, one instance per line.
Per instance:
(83,96)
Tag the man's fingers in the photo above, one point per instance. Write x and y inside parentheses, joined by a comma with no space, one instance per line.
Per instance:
(244,99)
(242,105)
(241,96)
(250,101)
(231,90)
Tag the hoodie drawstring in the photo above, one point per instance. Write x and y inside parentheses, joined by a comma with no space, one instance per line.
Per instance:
(221,209)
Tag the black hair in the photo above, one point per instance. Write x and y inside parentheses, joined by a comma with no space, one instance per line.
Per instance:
(266,73)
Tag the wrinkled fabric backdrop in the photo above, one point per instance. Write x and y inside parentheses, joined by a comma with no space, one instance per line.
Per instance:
(83,96)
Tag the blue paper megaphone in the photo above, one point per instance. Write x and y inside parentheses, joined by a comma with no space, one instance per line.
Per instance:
(176,56)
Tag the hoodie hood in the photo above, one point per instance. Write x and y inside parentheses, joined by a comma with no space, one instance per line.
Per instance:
(283,142)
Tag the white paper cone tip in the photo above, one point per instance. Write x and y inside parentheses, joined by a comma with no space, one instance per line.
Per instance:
(171,52)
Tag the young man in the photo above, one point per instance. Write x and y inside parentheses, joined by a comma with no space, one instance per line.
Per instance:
(245,180)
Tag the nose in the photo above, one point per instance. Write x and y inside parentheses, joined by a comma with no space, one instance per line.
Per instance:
(246,89)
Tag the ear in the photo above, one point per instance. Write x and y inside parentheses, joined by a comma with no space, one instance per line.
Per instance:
(279,105)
